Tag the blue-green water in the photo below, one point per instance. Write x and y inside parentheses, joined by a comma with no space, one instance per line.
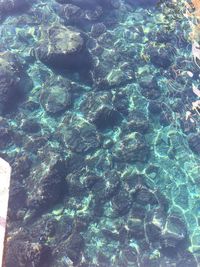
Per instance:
(97,122)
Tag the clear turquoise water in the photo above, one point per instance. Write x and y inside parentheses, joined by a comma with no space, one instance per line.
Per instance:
(105,158)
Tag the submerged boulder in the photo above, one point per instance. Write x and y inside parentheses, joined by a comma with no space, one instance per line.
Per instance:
(63,48)
(132,148)
(194,143)
(99,110)
(77,134)
(55,95)
(47,183)
(14,81)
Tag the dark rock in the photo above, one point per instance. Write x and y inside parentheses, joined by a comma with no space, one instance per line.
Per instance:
(160,58)
(187,259)
(21,167)
(121,203)
(137,122)
(91,4)
(99,110)
(35,143)
(188,126)
(131,148)
(91,180)
(72,247)
(136,228)
(31,105)
(47,184)
(75,163)
(31,126)
(63,48)
(142,3)
(14,82)
(25,253)
(194,143)
(78,135)
(155,107)
(128,257)
(121,102)
(6,135)
(17,198)
(154,225)
(74,185)
(166,117)
(56,95)
(149,88)
(145,196)
(73,15)
(97,29)
(104,188)
(13,7)
(175,232)
(110,235)
(138,211)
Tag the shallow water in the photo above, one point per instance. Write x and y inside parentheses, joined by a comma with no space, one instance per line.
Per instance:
(97,122)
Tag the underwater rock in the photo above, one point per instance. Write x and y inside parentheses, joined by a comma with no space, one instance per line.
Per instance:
(81,3)
(188,126)
(17,198)
(77,134)
(31,126)
(63,48)
(165,117)
(21,166)
(135,228)
(47,184)
(134,182)
(76,16)
(14,82)
(34,143)
(149,87)
(160,58)
(174,232)
(142,3)
(103,188)
(99,110)
(14,6)
(92,4)
(121,202)
(137,122)
(72,248)
(194,143)
(6,135)
(128,257)
(97,29)
(75,187)
(154,225)
(25,253)
(131,148)
(56,95)
(155,107)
